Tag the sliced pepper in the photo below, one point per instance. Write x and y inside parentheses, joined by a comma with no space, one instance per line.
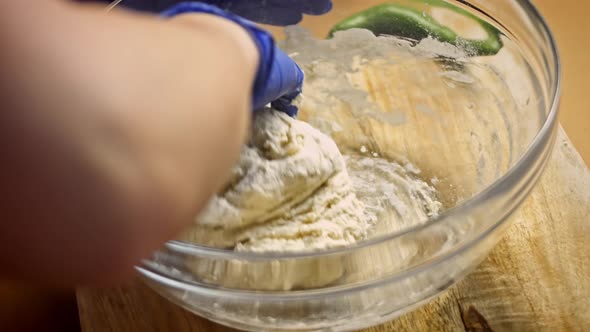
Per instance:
(409,22)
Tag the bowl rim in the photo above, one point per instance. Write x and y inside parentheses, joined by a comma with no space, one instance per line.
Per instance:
(522,165)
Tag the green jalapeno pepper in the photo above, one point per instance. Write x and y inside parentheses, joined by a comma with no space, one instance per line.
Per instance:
(408,22)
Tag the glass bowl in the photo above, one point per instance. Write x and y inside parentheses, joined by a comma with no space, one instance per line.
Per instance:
(475,122)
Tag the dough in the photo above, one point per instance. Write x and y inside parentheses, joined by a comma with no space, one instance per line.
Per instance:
(292,190)
(289,192)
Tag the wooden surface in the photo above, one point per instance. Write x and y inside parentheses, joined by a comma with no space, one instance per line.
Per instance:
(536,279)
(567,19)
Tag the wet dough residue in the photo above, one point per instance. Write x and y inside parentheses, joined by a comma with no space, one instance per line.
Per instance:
(289,192)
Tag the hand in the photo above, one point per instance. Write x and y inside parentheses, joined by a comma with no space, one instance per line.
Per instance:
(275,12)
(278,80)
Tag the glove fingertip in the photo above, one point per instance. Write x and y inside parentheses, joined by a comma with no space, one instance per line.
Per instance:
(285,105)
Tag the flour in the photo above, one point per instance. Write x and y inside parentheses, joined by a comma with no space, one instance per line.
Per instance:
(293,191)
(290,191)
(393,194)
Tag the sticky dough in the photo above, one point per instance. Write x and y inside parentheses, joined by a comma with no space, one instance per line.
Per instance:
(289,192)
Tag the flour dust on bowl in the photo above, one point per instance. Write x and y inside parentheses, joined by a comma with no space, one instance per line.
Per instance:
(443,115)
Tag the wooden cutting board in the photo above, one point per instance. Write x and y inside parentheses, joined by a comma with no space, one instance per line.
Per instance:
(536,279)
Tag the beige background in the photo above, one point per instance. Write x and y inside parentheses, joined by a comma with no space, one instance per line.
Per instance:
(570,23)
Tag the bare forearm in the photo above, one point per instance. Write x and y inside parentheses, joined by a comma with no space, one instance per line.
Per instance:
(120,127)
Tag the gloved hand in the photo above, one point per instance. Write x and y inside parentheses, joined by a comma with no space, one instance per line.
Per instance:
(278,79)
(275,12)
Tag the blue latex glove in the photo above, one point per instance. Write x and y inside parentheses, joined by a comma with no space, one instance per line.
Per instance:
(278,79)
(275,12)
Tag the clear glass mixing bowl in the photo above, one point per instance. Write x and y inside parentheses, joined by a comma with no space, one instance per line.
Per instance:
(479,129)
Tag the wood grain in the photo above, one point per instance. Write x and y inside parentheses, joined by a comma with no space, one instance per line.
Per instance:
(536,279)
(575,117)
(568,21)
